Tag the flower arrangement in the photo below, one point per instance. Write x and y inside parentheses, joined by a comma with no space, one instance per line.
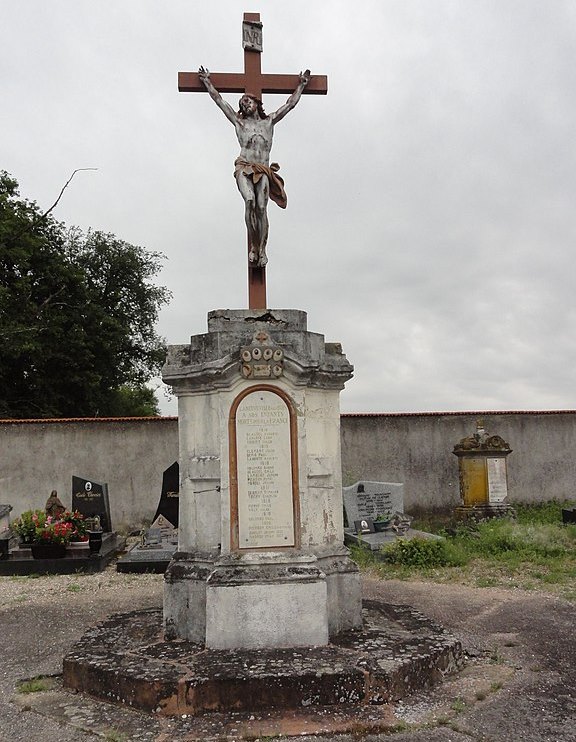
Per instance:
(34,526)
(78,523)
(25,525)
(49,530)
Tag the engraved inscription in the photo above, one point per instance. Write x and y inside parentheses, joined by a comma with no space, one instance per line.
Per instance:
(264,467)
(370,505)
(252,36)
(497,486)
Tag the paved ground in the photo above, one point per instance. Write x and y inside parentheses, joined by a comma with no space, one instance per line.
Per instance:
(520,683)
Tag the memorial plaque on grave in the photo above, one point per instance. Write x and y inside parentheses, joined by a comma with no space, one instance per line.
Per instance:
(263,463)
(497,481)
(371,499)
(91,498)
(169,502)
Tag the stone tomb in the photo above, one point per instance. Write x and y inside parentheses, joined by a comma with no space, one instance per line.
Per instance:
(261,560)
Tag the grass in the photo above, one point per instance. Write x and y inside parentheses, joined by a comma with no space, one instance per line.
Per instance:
(113,735)
(34,685)
(535,551)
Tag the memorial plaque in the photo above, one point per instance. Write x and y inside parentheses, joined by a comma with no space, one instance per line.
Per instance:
(371,499)
(91,498)
(497,484)
(264,472)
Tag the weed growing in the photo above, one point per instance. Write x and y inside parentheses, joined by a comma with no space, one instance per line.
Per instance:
(34,685)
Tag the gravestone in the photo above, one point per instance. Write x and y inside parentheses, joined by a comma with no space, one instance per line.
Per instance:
(169,503)
(371,499)
(91,498)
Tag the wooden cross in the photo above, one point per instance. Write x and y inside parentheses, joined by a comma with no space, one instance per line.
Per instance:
(252,82)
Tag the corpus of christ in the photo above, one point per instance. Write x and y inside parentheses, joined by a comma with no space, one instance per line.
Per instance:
(257,179)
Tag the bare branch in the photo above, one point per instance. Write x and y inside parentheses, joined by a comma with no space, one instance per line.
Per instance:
(34,223)
(66,184)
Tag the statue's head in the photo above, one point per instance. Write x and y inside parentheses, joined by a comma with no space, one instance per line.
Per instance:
(249,105)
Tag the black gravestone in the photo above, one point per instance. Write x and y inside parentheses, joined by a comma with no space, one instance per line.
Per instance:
(91,498)
(168,505)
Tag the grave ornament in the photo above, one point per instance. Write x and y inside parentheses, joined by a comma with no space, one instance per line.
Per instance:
(54,507)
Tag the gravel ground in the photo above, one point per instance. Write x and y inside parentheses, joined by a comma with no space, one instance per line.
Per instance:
(519,685)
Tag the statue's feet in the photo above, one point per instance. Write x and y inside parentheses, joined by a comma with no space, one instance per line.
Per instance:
(252,257)
(263,260)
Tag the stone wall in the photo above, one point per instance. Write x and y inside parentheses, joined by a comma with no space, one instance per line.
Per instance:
(131,455)
(417,449)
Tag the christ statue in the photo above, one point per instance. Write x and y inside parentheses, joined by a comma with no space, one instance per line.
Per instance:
(256,178)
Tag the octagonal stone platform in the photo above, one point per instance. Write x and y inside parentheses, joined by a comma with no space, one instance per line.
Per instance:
(126,659)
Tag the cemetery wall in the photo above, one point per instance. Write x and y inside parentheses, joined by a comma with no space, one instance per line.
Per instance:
(130,455)
(415,448)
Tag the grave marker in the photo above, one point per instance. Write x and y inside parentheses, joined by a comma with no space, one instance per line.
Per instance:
(91,498)
(371,499)
(169,502)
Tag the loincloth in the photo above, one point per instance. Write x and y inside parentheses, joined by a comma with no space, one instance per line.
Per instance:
(255,170)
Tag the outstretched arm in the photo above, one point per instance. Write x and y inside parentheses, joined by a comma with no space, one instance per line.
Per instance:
(293,99)
(226,108)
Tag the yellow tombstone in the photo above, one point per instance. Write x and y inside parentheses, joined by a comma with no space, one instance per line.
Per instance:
(483,474)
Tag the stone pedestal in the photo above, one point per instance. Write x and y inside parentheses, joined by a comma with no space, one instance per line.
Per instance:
(261,560)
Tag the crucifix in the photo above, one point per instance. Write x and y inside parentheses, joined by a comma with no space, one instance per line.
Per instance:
(257,180)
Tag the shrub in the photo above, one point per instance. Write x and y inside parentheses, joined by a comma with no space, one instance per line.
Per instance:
(420,552)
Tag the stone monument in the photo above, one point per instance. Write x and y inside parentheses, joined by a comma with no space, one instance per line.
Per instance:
(261,568)
(483,475)
(261,560)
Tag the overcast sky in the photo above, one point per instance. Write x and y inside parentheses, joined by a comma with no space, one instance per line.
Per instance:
(431,216)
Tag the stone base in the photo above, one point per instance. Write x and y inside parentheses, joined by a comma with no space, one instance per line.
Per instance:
(485,511)
(266,606)
(127,660)
(276,599)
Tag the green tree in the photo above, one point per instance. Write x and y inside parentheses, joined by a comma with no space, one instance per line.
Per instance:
(77,316)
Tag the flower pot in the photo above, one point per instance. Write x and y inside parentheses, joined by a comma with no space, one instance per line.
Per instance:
(48,550)
(95,542)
